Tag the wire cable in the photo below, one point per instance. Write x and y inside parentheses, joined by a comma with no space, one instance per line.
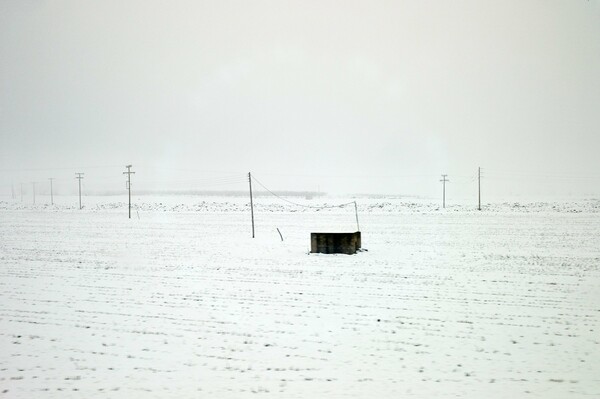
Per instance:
(301,205)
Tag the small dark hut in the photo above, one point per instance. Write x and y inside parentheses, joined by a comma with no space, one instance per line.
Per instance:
(335,243)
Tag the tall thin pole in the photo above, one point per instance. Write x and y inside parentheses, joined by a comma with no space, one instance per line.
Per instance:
(356,212)
(51,193)
(33,184)
(129,191)
(129,173)
(479,186)
(444,180)
(79,177)
(251,202)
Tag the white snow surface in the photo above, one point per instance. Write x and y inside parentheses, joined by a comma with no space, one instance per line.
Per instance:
(181,302)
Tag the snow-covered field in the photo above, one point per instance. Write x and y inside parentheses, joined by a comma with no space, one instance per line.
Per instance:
(181,302)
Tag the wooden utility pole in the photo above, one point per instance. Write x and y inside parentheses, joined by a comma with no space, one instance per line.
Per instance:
(479,186)
(356,213)
(444,180)
(79,177)
(51,193)
(251,202)
(33,184)
(129,173)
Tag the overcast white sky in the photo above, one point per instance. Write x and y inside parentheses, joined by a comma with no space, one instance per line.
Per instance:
(345,96)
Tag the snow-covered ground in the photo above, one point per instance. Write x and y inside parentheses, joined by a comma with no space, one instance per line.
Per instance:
(181,302)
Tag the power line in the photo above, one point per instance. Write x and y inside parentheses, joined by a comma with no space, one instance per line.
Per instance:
(62,168)
(250,177)
(533,174)
(146,166)
(353,176)
(301,205)
(202,181)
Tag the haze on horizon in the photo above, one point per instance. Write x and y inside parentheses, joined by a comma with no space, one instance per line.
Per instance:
(347,97)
